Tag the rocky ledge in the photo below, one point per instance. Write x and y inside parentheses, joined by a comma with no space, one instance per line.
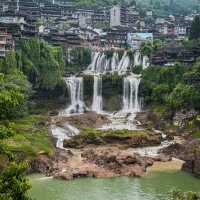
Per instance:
(100,162)
(125,138)
(88,119)
(189,151)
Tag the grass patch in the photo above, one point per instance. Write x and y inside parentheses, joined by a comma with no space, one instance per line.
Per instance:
(196,134)
(32,137)
(134,138)
(113,133)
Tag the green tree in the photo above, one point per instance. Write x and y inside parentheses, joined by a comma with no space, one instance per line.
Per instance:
(13,182)
(42,63)
(146,48)
(183,96)
(14,91)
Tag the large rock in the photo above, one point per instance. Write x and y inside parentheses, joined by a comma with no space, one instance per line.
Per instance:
(182,117)
(119,162)
(189,152)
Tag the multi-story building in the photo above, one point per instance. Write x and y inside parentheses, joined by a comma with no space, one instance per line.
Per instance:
(117,37)
(101,18)
(122,16)
(6,41)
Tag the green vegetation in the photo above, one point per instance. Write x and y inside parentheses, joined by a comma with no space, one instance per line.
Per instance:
(172,87)
(80,59)
(112,133)
(177,195)
(99,137)
(43,64)
(31,138)
(35,66)
(13,183)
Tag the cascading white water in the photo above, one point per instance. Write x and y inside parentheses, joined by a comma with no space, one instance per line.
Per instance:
(124,64)
(145,62)
(95,56)
(114,61)
(97,103)
(130,96)
(101,64)
(75,87)
(63,133)
(137,58)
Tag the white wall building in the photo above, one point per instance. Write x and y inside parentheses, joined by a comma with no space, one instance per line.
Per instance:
(115,16)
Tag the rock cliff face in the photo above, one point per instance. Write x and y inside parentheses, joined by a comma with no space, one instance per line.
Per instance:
(189,152)
(112,91)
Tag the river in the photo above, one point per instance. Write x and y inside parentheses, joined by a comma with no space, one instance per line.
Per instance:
(155,186)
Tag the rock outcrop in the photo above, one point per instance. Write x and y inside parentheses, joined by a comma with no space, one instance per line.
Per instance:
(132,139)
(88,119)
(100,162)
(189,152)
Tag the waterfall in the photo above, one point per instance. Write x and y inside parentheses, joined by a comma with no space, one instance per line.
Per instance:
(137,58)
(114,61)
(119,67)
(124,64)
(92,66)
(145,62)
(75,87)
(130,96)
(97,94)
(101,64)
(63,133)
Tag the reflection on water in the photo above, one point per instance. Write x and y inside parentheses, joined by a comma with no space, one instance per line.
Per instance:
(154,187)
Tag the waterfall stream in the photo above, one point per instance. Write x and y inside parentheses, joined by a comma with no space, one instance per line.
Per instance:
(130,96)
(97,104)
(63,133)
(75,87)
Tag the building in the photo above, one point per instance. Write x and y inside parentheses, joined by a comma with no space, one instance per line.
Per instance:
(117,37)
(134,40)
(6,42)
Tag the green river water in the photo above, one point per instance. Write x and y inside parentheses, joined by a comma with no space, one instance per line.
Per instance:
(155,186)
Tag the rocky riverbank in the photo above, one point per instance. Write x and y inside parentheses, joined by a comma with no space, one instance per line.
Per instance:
(100,162)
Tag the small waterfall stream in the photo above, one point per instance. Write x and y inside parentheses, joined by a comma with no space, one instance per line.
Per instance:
(145,62)
(63,133)
(75,87)
(130,96)
(97,104)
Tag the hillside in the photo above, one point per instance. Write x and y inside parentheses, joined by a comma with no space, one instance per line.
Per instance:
(160,7)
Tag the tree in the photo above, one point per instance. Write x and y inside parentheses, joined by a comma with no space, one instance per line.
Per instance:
(13,183)
(183,96)
(146,48)
(195,28)
(14,91)
(42,63)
